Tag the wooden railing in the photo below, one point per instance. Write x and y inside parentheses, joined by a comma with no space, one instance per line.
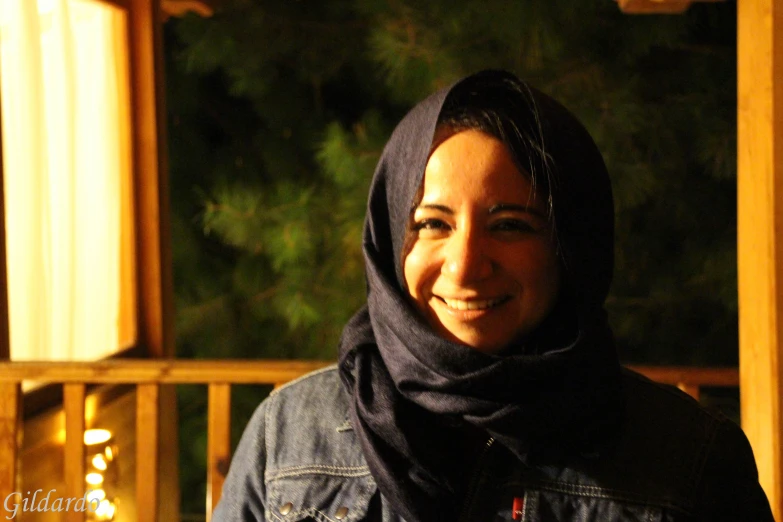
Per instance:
(218,376)
(691,379)
(147,376)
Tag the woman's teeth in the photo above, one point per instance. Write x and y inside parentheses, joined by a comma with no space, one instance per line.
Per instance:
(458,304)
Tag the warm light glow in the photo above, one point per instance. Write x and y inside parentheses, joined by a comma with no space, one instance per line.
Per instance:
(99,462)
(110,452)
(94,479)
(45,7)
(106,510)
(90,409)
(96,436)
(96,494)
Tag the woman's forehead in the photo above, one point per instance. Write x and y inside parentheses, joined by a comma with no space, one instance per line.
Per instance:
(470,166)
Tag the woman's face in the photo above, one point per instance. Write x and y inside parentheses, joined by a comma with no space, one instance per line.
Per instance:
(482,266)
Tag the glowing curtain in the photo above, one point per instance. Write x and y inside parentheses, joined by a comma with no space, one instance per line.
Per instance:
(66,152)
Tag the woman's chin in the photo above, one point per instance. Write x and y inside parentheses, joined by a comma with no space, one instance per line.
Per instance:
(484,342)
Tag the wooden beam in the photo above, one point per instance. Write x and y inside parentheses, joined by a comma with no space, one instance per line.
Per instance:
(255,371)
(182,7)
(119,4)
(760,234)
(689,376)
(150,173)
(162,371)
(653,7)
(657,6)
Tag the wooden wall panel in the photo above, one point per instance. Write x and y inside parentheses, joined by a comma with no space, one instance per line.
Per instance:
(760,233)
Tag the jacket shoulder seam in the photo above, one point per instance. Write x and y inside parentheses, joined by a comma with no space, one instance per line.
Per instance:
(315,373)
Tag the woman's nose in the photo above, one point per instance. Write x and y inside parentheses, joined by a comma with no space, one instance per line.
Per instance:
(466,259)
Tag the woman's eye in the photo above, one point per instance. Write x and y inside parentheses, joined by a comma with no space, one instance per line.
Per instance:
(430,226)
(512,225)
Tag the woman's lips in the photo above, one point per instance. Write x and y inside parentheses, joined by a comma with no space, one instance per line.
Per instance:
(469,309)
(473,304)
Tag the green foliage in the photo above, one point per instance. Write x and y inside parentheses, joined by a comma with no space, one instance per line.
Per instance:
(278,112)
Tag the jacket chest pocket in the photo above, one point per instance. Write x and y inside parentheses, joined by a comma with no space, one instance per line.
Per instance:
(324,498)
(557,506)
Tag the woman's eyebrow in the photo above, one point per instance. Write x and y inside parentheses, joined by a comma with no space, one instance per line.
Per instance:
(434,206)
(504,207)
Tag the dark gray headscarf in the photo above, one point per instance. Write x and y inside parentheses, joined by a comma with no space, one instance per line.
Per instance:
(412,390)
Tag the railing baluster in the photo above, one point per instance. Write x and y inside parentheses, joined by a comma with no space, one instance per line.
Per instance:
(73,399)
(10,429)
(218,442)
(147,472)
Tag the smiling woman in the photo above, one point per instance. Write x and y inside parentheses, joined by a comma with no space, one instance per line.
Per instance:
(480,382)
(482,266)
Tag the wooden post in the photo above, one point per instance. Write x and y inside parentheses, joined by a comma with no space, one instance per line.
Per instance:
(10,430)
(10,392)
(760,233)
(147,456)
(155,300)
(155,303)
(218,442)
(5,339)
(73,400)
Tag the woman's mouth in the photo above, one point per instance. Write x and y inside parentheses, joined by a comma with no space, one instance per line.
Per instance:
(473,304)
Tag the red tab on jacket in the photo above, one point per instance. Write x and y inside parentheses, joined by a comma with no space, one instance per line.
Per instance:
(518,509)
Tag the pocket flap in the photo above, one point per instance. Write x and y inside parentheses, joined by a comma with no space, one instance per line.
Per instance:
(320,497)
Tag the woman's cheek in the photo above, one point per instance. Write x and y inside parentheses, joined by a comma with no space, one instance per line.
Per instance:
(417,269)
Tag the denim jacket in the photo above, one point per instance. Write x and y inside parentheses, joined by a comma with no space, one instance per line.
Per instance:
(673,461)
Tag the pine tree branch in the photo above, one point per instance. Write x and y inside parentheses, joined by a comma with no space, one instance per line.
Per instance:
(221,301)
(204,307)
(266,294)
(230,210)
(334,27)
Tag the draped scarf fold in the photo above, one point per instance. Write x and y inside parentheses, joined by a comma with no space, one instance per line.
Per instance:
(409,387)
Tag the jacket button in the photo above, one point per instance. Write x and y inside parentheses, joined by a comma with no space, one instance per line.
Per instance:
(341,513)
(286,508)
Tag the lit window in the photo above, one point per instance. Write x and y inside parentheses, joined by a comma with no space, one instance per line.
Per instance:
(67,179)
